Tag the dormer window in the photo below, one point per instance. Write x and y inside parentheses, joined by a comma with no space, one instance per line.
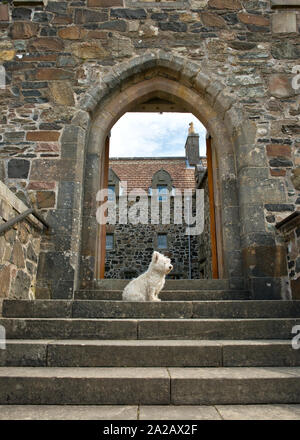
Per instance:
(162,182)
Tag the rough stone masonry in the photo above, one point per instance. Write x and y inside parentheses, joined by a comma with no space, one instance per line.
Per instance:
(241,56)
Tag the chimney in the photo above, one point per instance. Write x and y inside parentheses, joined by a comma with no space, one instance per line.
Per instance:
(192,147)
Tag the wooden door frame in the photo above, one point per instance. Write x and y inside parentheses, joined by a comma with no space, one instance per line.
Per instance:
(102,226)
(213,234)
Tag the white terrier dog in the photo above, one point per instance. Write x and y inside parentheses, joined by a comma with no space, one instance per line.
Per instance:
(148,285)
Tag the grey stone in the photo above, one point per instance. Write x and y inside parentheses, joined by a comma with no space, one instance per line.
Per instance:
(134,354)
(55,265)
(284,22)
(19,328)
(216,329)
(129,14)
(68,412)
(122,309)
(18,168)
(172,26)
(259,412)
(108,386)
(246,309)
(285,50)
(23,354)
(260,354)
(279,207)
(173,412)
(255,385)
(176,295)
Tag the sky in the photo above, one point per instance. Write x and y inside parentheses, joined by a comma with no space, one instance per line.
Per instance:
(153,134)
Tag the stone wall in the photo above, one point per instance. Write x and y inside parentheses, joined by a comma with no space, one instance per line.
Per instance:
(134,245)
(204,240)
(63,58)
(19,249)
(289,233)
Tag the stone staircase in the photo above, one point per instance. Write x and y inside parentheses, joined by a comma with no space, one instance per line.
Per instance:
(204,344)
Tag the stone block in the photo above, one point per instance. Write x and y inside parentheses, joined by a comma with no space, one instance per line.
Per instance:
(257,20)
(225,4)
(89,50)
(47,44)
(55,265)
(129,14)
(104,3)
(284,22)
(212,20)
(18,168)
(68,412)
(17,255)
(22,328)
(86,16)
(254,385)
(43,135)
(253,218)
(52,73)
(72,33)
(23,30)
(93,386)
(23,354)
(5,280)
(20,287)
(260,354)
(4,13)
(266,289)
(45,199)
(279,150)
(62,93)
(134,353)
(219,329)
(266,261)
(116,309)
(172,412)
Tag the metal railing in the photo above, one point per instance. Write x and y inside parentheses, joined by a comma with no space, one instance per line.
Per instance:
(10,223)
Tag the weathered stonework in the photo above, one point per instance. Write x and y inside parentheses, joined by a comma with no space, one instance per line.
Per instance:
(134,244)
(229,62)
(289,230)
(19,249)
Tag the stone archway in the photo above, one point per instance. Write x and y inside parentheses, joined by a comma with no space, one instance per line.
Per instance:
(240,171)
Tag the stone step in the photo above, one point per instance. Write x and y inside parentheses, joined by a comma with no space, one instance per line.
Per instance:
(149,353)
(161,310)
(148,386)
(196,284)
(282,411)
(168,295)
(71,328)
(151,412)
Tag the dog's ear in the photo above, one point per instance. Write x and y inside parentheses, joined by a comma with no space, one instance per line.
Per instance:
(155,257)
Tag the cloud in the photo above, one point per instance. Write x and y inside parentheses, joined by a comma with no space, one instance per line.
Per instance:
(153,134)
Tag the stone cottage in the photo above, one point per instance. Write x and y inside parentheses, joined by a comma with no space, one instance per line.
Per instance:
(129,246)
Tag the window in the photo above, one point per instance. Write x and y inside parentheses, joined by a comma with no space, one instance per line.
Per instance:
(111,193)
(162,192)
(162,242)
(109,242)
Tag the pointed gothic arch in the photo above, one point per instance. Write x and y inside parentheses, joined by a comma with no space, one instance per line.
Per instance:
(236,163)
